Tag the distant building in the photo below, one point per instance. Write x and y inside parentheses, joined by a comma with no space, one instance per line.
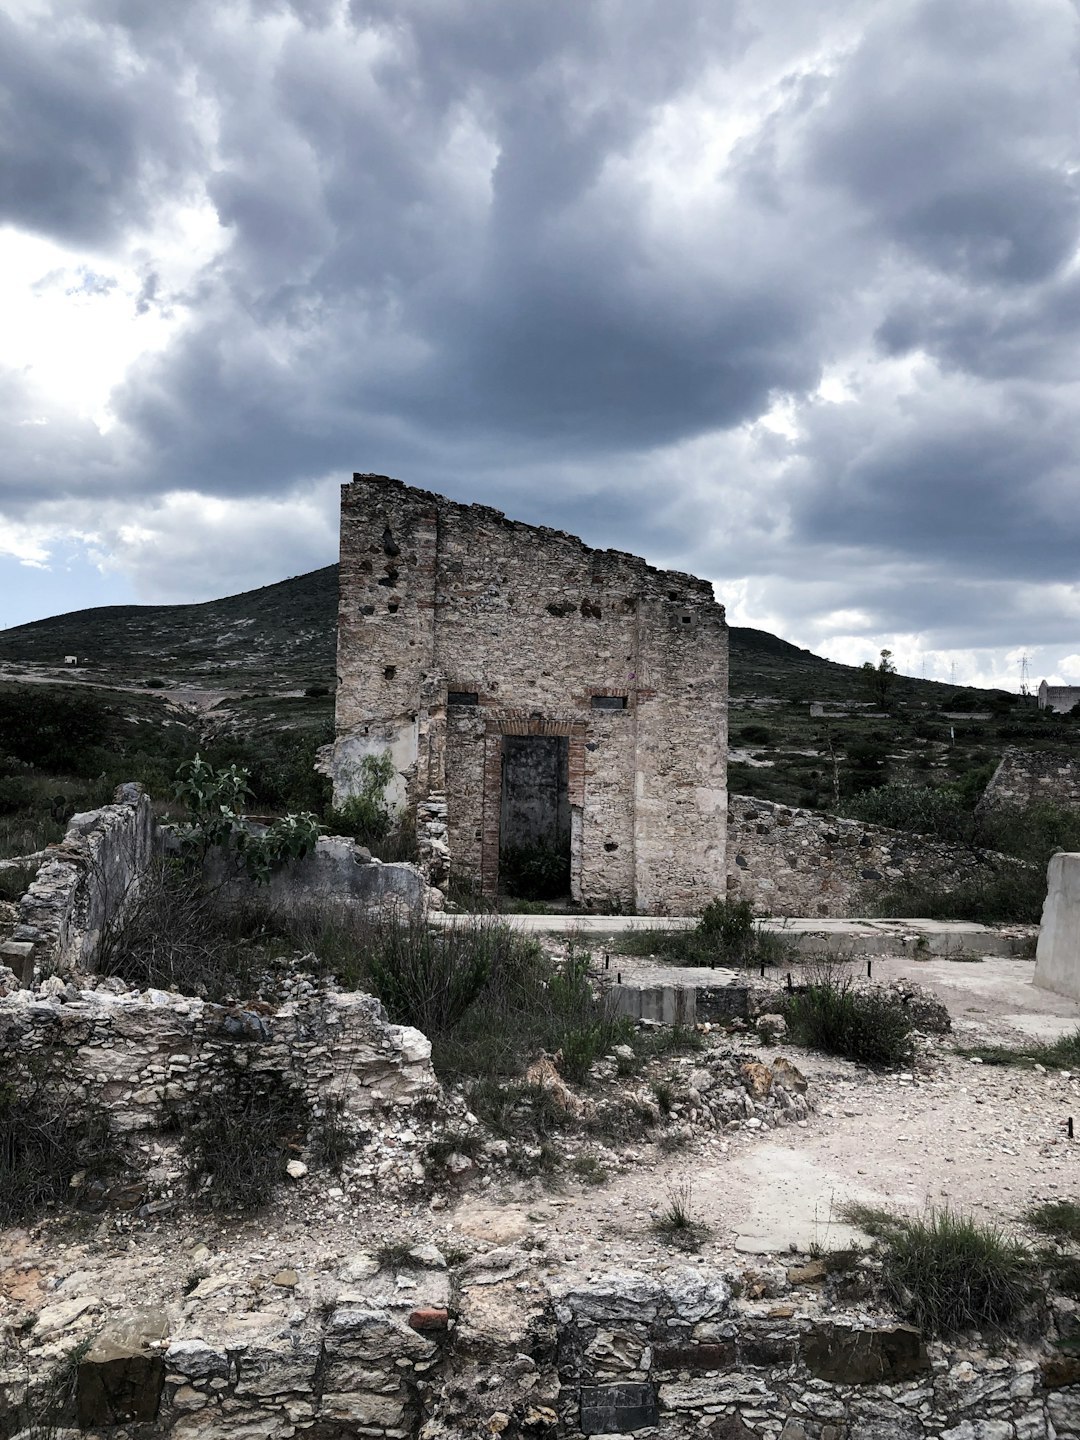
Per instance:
(71,659)
(1061,698)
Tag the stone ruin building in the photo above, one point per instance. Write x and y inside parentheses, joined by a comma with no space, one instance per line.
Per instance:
(533,690)
(1060,698)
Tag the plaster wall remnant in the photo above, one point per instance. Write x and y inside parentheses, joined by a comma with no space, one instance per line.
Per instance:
(1057,958)
(462,634)
(1061,698)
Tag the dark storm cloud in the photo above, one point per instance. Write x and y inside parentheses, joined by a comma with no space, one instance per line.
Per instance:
(498,249)
(90,136)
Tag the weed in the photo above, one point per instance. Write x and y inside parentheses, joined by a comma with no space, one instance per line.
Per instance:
(1057,1218)
(535,872)
(949,1272)
(453,1142)
(668,1040)
(664,1095)
(726,934)
(677,1224)
(238,1139)
(533,1161)
(396,1255)
(48,1134)
(589,1170)
(1060,1054)
(831,1015)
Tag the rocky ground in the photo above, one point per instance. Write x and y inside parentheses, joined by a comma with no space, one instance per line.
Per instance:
(762,1141)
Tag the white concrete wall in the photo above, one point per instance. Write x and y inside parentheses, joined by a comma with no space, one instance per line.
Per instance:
(1057,959)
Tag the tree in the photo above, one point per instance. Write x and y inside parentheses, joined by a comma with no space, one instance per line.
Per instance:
(879,677)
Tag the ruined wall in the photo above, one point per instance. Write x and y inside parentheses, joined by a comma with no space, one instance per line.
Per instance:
(82,886)
(445,603)
(1061,698)
(1027,777)
(493,1347)
(140,1052)
(788,861)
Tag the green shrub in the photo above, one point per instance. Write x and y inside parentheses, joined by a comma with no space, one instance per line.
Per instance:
(726,934)
(1057,1218)
(366,814)
(949,1273)
(677,1223)
(925,809)
(51,729)
(536,871)
(429,978)
(869,1026)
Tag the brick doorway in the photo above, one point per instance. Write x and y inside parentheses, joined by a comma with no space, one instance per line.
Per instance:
(534,817)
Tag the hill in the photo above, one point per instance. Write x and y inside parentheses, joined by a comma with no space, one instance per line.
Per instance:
(240,667)
(286,632)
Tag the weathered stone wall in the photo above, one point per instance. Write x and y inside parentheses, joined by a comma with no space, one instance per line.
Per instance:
(139,1053)
(495,1348)
(788,861)
(458,626)
(82,887)
(1026,777)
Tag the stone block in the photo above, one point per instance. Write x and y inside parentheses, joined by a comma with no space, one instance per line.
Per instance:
(120,1379)
(618,1409)
(846,1356)
(1057,959)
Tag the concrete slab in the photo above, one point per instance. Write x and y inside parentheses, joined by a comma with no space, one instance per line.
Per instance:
(798,1203)
(1057,966)
(812,935)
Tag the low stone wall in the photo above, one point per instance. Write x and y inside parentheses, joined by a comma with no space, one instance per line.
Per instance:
(494,1348)
(82,886)
(676,1352)
(787,861)
(1027,777)
(140,1053)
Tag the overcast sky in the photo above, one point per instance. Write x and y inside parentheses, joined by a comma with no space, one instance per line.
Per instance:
(786,295)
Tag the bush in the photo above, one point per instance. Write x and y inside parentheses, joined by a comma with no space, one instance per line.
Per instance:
(429,978)
(1001,894)
(48,1134)
(949,1273)
(1057,1218)
(238,1139)
(366,815)
(51,730)
(925,809)
(677,1223)
(537,871)
(726,934)
(488,996)
(831,1015)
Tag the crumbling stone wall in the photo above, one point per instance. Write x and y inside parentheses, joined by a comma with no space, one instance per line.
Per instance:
(458,627)
(493,1347)
(139,1053)
(82,886)
(1026,777)
(787,861)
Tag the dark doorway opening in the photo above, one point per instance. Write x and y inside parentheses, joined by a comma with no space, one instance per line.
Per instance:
(534,835)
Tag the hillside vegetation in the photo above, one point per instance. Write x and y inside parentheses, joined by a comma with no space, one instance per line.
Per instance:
(249,679)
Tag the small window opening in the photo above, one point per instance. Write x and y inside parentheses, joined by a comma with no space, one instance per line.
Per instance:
(462,697)
(609,702)
(686,619)
(392,606)
(389,672)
